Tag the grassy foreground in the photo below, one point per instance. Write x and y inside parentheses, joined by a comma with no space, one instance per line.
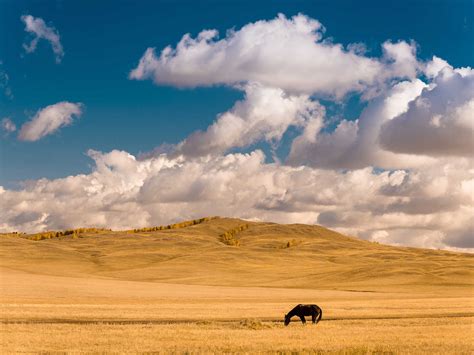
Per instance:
(189,290)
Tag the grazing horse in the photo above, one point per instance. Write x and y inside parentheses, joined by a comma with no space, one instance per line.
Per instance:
(303,310)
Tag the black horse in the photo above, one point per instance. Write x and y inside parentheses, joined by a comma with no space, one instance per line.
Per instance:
(303,310)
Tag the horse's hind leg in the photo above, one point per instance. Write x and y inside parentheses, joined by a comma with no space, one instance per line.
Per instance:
(302,319)
(318,315)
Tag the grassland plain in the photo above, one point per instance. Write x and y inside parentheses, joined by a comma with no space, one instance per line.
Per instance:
(187,290)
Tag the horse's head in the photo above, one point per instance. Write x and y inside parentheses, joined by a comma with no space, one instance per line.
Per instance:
(287,319)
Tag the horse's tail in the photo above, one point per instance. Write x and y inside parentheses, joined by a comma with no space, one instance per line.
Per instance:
(320,315)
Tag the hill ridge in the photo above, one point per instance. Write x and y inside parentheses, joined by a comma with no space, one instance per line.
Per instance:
(263,254)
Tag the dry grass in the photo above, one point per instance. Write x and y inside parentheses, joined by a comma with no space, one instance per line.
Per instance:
(183,290)
(65,314)
(355,337)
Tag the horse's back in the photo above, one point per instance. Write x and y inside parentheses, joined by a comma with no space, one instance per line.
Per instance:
(307,309)
(309,306)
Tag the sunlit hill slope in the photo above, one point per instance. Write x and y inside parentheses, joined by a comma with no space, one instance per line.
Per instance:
(233,252)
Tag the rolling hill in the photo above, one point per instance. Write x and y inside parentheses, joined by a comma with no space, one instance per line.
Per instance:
(233,252)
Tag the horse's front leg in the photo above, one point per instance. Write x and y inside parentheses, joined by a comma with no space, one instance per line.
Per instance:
(302,319)
(313,317)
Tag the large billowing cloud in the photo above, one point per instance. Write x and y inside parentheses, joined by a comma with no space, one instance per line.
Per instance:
(286,53)
(354,144)
(49,119)
(438,122)
(264,114)
(40,30)
(407,126)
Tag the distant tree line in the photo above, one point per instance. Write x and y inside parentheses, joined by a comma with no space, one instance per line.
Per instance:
(172,226)
(74,233)
(69,232)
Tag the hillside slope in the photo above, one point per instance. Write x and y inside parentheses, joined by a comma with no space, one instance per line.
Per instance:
(249,254)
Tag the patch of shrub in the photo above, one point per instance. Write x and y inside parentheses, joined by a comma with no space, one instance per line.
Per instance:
(290,243)
(228,237)
(254,324)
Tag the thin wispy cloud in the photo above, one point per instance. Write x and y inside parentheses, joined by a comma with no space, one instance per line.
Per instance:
(7,125)
(4,83)
(38,28)
(49,120)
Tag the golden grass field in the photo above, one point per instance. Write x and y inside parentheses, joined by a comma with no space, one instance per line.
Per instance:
(186,290)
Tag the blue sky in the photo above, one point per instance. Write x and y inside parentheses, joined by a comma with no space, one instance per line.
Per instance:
(103,41)
(358,116)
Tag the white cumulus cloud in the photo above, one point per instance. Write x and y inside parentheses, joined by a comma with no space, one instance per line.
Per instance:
(49,119)
(402,59)
(354,144)
(438,122)
(288,53)
(264,114)
(38,28)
